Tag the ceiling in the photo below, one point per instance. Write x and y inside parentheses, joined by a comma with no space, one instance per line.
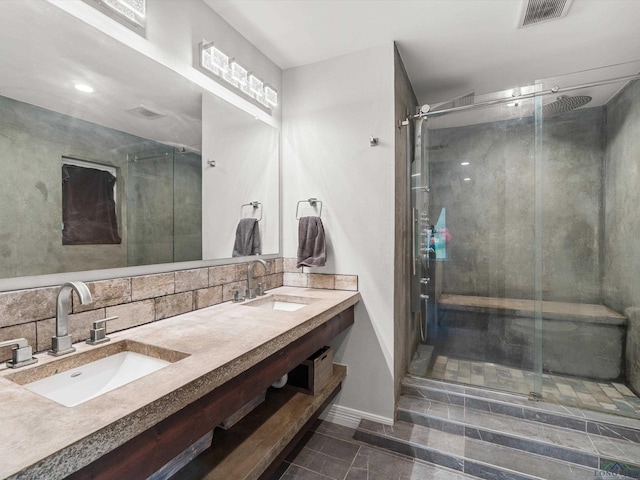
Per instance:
(449,47)
(446,49)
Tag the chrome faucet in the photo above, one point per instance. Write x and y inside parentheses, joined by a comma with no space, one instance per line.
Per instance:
(22,355)
(98,332)
(250,293)
(61,343)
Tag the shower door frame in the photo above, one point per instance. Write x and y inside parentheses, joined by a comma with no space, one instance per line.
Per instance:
(426,312)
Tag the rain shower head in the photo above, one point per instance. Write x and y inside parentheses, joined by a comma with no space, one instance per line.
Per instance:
(565,103)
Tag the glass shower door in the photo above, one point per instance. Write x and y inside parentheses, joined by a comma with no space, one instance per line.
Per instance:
(150,207)
(187,207)
(163,227)
(524,241)
(586,130)
(473,205)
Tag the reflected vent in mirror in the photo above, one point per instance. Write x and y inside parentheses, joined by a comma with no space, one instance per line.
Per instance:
(145,112)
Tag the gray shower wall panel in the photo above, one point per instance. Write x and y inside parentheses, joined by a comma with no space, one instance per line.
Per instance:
(491,217)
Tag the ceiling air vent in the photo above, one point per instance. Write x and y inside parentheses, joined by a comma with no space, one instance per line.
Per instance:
(144,112)
(538,11)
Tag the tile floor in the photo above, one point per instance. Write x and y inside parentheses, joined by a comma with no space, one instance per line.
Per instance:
(329,451)
(603,396)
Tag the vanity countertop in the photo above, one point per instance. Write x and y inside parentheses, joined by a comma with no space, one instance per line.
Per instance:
(43,439)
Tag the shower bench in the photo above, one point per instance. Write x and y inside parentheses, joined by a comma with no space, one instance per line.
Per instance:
(584,340)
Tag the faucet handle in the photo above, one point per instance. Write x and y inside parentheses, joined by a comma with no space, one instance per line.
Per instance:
(22,355)
(98,334)
(236,296)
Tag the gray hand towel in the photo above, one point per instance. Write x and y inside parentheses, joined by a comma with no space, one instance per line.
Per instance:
(311,243)
(247,238)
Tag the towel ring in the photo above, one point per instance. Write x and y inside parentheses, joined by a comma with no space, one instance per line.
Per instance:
(311,201)
(255,205)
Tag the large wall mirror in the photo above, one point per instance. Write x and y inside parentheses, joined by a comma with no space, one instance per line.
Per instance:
(144,124)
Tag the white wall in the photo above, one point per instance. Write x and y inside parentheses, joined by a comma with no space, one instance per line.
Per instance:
(246,155)
(330,109)
(177,27)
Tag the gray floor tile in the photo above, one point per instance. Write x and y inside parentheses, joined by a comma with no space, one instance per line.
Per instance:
(294,472)
(491,422)
(375,459)
(526,463)
(320,463)
(533,430)
(419,435)
(620,450)
(372,464)
(612,419)
(334,430)
(330,452)
(439,409)
(333,447)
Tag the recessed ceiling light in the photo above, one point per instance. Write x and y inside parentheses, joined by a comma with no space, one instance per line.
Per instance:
(84,88)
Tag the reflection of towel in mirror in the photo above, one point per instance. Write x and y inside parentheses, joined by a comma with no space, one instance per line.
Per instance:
(311,243)
(247,238)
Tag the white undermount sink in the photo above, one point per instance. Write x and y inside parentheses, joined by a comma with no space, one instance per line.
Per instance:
(73,380)
(283,303)
(88,381)
(284,306)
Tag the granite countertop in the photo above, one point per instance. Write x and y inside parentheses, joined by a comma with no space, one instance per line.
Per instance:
(43,439)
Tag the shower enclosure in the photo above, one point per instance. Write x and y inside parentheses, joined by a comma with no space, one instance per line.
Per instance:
(162,226)
(525,273)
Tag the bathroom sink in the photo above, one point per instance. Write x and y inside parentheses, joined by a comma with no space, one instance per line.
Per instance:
(83,383)
(100,371)
(283,303)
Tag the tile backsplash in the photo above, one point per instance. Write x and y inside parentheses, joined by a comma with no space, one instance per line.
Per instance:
(143,299)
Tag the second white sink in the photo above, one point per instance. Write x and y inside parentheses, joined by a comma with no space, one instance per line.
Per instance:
(283,306)
(79,384)
(283,303)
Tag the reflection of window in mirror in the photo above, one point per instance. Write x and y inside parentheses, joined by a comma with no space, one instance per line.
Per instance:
(88,203)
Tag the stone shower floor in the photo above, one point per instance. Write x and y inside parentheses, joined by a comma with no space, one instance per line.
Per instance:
(604,396)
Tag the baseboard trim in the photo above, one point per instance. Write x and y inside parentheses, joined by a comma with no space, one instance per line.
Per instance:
(350,417)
